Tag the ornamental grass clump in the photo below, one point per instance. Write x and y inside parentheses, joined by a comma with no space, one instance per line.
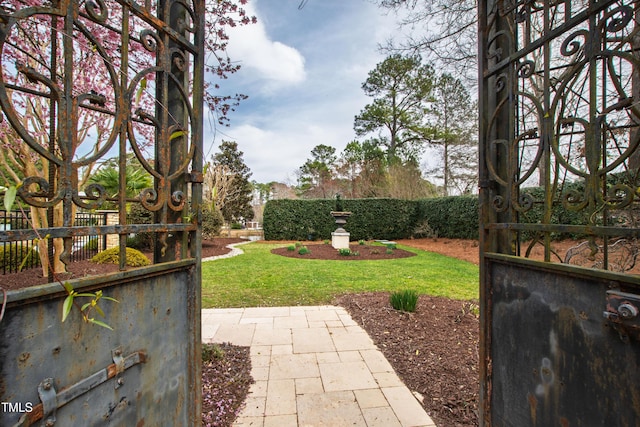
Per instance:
(404,300)
(134,258)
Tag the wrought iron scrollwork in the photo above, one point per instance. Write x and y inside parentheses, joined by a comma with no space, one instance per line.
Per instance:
(564,79)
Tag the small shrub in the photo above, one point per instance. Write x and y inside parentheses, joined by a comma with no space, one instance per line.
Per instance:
(404,300)
(326,241)
(471,308)
(344,251)
(423,229)
(212,222)
(304,250)
(139,215)
(291,248)
(389,251)
(14,256)
(211,352)
(298,244)
(355,253)
(236,226)
(134,258)
(361,242)
(391,246)
(376,251)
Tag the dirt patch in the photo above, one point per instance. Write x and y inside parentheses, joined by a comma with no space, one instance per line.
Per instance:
(467,250)
(226,378)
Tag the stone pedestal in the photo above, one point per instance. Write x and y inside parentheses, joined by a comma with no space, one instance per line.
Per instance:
(340,239)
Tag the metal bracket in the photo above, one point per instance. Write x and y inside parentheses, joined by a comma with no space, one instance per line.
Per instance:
(51,401)
(48,397)
(622,312)
(118,361)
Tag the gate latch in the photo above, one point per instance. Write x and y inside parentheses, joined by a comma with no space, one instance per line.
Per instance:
(623,311)
(52,400)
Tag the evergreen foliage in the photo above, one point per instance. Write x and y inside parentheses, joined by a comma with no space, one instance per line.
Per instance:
(212,222)
(134,258)
(237,204)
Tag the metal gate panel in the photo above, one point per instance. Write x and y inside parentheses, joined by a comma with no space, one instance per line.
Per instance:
(138,374)
(146,83)
(555,358)
(559,96)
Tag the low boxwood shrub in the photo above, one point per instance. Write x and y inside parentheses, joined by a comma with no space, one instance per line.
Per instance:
(344,251)
(15,256)
(134,258)
(304,250)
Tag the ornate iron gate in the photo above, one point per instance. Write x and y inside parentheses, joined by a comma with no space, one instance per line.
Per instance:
(560,110)
(81,82)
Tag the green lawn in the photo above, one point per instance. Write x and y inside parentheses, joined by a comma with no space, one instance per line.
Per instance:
(259,278)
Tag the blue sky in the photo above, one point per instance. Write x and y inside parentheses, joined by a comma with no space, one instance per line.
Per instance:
(302,70)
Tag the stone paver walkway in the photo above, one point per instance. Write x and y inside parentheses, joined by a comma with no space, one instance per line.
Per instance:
(313,366)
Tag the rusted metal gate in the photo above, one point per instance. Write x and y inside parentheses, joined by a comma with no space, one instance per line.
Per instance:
(560,109)
(82,82)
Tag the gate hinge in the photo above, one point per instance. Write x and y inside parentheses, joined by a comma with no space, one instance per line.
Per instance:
(51,401)
(195,177)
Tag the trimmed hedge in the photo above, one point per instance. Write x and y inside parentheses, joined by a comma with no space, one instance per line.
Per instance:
(371,218)
(455,217)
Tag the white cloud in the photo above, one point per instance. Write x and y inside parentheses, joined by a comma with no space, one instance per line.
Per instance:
(303,71)
(263,58)
(275,154)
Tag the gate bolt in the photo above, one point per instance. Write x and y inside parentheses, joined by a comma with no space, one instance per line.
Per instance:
(627,311)
(120,381)
(47,385)
(50,423)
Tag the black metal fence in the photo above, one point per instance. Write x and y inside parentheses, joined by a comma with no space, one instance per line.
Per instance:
(23,254)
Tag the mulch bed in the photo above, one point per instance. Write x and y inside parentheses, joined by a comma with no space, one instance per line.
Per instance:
(433,350)
(226,378)
(328,252)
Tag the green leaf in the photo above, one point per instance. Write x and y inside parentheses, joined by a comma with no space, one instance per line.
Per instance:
(68,287)
(66,307)
(84,307)
(99,323)
(10,197)
(110,299)
(177,134)
(99,311)
(26,258)
(143,86)
(85,295)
